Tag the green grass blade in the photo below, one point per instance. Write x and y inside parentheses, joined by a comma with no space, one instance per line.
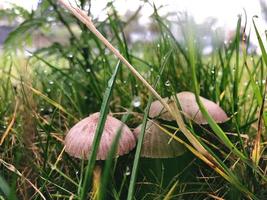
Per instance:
(98,134)
(4,187)
(264,56)
(141,137)
(218,131)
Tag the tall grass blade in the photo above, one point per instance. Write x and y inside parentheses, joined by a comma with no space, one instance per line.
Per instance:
(264,56)
(130,194)
(98,134)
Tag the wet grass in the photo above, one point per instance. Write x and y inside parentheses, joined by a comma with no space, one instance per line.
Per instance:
(44,95)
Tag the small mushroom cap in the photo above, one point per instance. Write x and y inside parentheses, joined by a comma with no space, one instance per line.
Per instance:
(158,111)
(190,109)
(80,137)
(157,144)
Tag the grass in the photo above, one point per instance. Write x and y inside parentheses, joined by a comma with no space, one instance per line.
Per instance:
(58,85)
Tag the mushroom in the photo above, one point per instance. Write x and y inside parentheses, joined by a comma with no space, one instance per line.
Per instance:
(80,137)
(156,143)
(190,109)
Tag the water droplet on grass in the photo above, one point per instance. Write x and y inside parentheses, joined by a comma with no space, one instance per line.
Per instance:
(128,172)
(70,55)
(51,82)
(136,101)
(88,70)
(167,83)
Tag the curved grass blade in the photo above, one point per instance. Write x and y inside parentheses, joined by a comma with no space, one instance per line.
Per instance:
(218,131)
(215,127)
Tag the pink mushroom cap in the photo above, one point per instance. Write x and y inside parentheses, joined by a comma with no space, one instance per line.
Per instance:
(190,109)
(80,137)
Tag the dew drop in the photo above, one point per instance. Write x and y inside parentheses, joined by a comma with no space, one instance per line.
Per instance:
(158,45)
(51,82)
(128,172)
(85,97)
(136,101)
(167,83)
(48,90)
(88,70)
(50,110)
(70,55)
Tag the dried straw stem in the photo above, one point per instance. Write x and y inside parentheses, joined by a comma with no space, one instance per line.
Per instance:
(83,17)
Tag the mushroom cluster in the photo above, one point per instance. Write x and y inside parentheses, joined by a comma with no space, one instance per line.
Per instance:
(156,144)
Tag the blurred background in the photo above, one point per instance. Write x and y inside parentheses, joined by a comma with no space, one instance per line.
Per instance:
(212,18)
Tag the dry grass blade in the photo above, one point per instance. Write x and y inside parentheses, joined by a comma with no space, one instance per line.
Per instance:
(255,155)
(10,124)
(82,16)
(13,169)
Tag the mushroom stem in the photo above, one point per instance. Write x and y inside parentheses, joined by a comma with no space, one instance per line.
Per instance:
(83,17)
(96,181)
